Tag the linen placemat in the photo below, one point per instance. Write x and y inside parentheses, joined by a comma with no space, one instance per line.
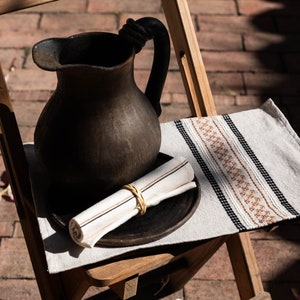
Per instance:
(248,167)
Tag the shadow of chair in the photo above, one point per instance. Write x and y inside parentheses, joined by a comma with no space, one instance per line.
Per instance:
(148,274)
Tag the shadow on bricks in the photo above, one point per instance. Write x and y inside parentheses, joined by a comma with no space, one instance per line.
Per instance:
(282,39)
(282,84)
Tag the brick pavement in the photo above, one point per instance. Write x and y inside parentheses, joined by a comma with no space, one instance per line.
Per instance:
(251,52)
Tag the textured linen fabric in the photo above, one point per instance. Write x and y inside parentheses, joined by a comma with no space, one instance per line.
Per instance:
(248,167)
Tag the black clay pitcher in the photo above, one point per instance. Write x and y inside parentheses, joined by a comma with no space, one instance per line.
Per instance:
(99,131)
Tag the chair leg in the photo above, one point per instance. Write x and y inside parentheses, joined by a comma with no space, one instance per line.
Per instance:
(127,288)
(244,266)
(194,260)
(262,296)
(75,283)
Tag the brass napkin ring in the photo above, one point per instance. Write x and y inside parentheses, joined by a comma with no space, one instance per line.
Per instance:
(141,203)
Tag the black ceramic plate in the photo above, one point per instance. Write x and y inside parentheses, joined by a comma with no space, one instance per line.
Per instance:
(158,221)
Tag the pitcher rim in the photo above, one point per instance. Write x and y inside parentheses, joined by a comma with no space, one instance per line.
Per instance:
(60,66)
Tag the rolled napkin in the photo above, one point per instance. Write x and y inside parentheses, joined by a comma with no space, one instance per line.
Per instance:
(170,179)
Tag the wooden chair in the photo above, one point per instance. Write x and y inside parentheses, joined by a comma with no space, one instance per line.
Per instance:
(150,274)
(12,5)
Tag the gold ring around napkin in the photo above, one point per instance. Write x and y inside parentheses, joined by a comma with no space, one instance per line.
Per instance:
(141,203)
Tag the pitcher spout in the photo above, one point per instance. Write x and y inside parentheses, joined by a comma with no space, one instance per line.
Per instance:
(47,52)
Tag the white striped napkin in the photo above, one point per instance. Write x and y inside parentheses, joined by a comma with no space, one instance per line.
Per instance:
(170,179)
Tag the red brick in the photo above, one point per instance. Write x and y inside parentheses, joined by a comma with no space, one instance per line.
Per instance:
(19,21)
(220,263)
(11,58)
(240,61)
(217,41)
(272,84)
(233,24)
(6,228)
(143,60)
(28,108)
(275,8)
(224,100)
(262,234)
(174,83)
(26,134)
(175,296)
(165,99)
(15,262)
(11,289)
(2,167)
(8,212)
(26,39)
(272,42)
(250,100)
(218,7)
(141,79)
(211,289)
(28,80)
(175,111)
(79,22)
(226,83)
(173,66)
(18,233)
(136,6)
(230,109)
(61,6)
(261,41)
(256,7)
(34,95)
(179,98)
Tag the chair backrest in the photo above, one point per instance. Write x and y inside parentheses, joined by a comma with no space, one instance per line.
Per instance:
(189,57)
(17,168)
(13,152)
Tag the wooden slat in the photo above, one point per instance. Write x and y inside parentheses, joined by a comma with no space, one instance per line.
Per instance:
(244,266)
(4,96)
(13,5)
(189,57)
(180,263)
(114,272)
(15,163)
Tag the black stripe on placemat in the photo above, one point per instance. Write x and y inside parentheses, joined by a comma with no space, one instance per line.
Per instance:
(259,166)
(210,177)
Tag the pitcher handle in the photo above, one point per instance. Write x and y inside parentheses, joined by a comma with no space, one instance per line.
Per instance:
(138,33)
